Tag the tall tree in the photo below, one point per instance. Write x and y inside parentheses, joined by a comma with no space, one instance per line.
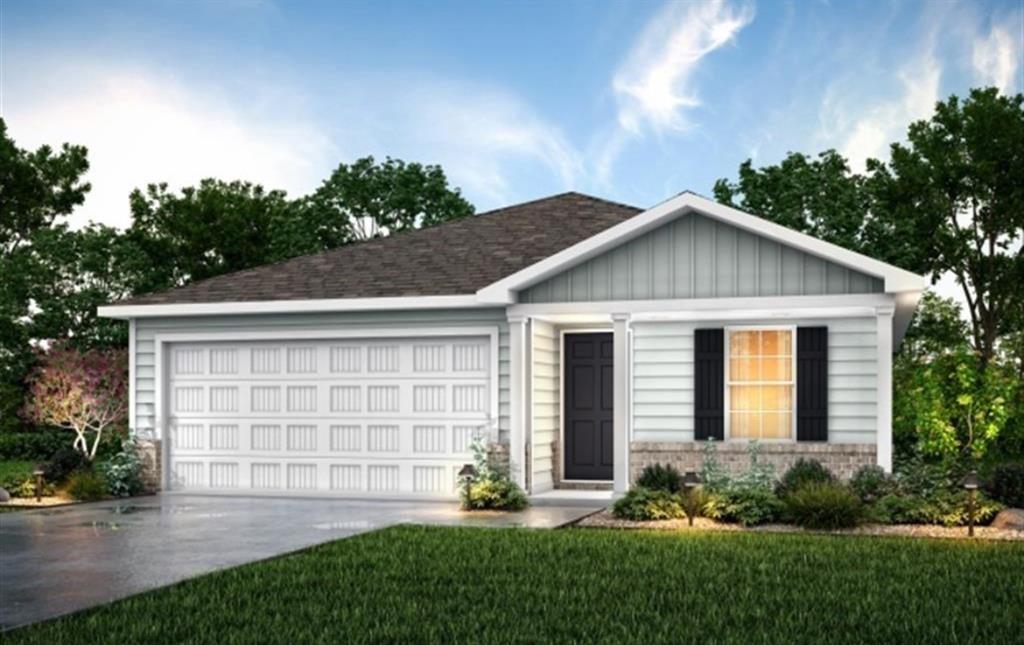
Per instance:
(215,228)
(367,199)
(818,196)
(959,185)
(36,188)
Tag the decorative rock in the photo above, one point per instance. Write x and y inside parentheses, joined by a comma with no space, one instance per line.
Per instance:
(1010,518)
(4,496)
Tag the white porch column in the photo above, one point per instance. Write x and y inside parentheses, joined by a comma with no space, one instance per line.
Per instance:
(884,431)
(620,401)
(518,395)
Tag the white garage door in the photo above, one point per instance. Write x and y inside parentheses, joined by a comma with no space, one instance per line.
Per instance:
(387,417)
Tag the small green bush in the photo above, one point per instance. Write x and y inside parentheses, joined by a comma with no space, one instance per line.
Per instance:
(746,505)
(495,493)
(824,506)
(14,473)
(660,477)
(1006,484)
(86,486)
(948,508)
(802,473)
(641,504)
(871,483)
(123,472)
(64,463)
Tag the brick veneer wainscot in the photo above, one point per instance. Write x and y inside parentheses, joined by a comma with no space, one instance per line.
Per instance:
(843,459)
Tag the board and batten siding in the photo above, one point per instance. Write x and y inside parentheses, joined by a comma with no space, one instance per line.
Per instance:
(546,403)
(663,372)
(698,257)
(147,329)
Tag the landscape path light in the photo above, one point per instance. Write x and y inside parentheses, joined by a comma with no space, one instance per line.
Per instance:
(971,483)
(466,476)
(39,472)
(691,480)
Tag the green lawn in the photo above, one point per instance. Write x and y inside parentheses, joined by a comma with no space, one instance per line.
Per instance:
(422,584)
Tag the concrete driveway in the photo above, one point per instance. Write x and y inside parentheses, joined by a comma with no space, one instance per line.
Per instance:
(61,560)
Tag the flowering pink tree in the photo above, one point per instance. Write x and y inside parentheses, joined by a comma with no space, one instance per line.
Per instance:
(82,391)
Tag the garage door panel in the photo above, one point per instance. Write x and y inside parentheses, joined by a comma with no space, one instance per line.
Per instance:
(388,417)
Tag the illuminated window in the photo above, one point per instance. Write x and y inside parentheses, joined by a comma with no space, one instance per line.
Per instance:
(760,382)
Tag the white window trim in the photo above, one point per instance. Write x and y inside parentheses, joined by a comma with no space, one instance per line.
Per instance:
(727,362)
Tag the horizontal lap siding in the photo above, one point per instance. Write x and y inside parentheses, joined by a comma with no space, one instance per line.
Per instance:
(545,403)
(663,387)
(698,257)
(147,329)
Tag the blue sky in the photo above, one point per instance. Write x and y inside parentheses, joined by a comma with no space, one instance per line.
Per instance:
(630,101)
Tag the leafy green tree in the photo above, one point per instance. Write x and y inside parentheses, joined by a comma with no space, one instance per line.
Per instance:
(956,193)
(959,410)
(36,188)
(818,196)
(367,199)
(215,228)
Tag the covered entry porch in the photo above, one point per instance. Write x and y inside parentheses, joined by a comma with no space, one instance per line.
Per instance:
(569,395)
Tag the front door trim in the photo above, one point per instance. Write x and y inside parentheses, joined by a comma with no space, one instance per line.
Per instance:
(561,402)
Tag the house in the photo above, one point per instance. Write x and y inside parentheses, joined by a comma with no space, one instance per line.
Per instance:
(582,338)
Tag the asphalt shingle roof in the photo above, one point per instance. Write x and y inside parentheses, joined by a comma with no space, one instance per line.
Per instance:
(454,258)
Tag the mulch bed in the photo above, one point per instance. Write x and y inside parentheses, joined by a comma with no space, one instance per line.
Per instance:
(28,503)
(606,520)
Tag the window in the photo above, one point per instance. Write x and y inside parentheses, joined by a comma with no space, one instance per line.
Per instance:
(760,384)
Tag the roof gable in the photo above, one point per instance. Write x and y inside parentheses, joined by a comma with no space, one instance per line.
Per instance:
(696,256)
(893,279)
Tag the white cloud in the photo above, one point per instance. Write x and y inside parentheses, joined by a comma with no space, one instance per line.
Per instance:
(655,85)
(996,57)
(860,128)
(142,127)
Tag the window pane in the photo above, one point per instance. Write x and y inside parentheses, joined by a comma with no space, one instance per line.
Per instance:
(744,369)
(745,397)
(745,425)
(743,343)
(776,342)
(777,425)
(776,369)
(777,397)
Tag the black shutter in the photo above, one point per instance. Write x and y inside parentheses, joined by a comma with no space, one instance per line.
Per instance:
(812,384)
(709,385)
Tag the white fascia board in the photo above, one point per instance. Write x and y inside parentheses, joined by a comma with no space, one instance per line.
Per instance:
(503,291)
(290,306)
(710,307)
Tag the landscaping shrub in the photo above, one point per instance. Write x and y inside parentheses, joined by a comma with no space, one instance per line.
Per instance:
(14,474)
(86,486)
(490,489)
(641,504)
(1006,484)
(871,483)
(916,476)
(495,492)
(802,473)
(64,463)
(35,446)
(948,508)
(123,472)
(746,505)
(824,505)
(660,477)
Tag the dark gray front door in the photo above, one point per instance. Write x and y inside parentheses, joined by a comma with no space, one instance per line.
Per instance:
(588,406)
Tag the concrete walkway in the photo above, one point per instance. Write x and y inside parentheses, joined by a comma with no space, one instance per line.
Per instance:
(64,559)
